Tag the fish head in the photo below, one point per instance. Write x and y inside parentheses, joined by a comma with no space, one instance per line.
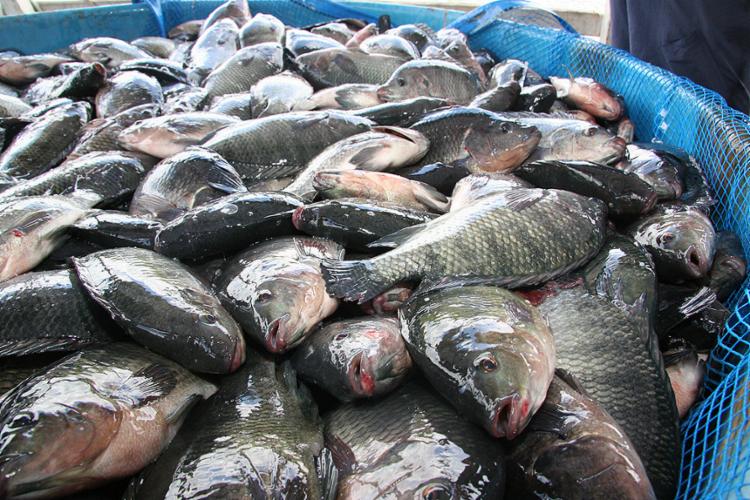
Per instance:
(500,145)
(389,301)
(40,449)
(402,146)
(287,307)
(595,143)
(405,83)
(596,99)
(413,480)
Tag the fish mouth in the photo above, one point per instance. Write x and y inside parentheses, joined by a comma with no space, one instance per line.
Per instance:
(275,338)
(650,202)
(619,145)
(297,218)
(509,417)
(360,380)
(323,181)
(696,262)
(238,358)
(383,93)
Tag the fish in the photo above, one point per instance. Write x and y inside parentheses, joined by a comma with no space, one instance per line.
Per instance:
(182,182)
(329,67)
(299,42)
(236,11)
(686,371)
(681,240)
(31,228)
(106,50)
(509,70)
(259,436)
(729,268)
(192,99)
(278,94)
(477,186)
(420,36)
(165,71)
(126,90)
(614,358)
(101,134)
(244,68)
(189,30)
(500,98)
(48,311)
(71,427)
(337,31)
(389,301)
(103,177)
(45,143)
(282,145)
(227,225)
(459,51)
(553,233)
(22,70)
(589,96)
(430,78)
(164,307)
(355,223)
(349,96)
(276,292)
(574,449)
(381,148)
(114,229)
(403,113)
(167,135)
(390,45)
(217,43)
(486,350)
(412,444)
(476,139)
(441,176)
(659,172)
(156,45)
(691,314)
(536,98)
(379,186)
(627,196)
(236,105)
(12,107)
(354,358)
(262,28)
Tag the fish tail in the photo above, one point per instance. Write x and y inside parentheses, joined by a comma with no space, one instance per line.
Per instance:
(352,280)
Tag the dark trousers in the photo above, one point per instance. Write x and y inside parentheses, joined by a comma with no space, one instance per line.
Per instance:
(707,41)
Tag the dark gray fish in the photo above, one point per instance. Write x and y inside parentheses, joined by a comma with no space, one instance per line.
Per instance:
(411,444)
(686,313)
(163,306)
(536,98)
(430,78)
(236,11)
(22,70)
(476,186)
(574,449)
(477,140)
(114,229)
(729,268)
(509,70)
(44,143)
(390,45)
(589,96)
(156,45)
(215,45)
(441,176)
(485,60)
(337,66)
(181,54)
(540,234)
(44,108)
(71,427)
(227,225)
(337,31)
(686,371)
(500,98)
(104,177)
(276,291)
(81,84)
(108,51)
(182,182)
(282,145)
(615,359)
(165,71)
(262,28)
(300,42)
(48,311)
(185,102)
(420,35)
(244,69)
(11,106)
(236,105)
(126,90)
(278,94)
(349,96)
(354,358)
(659,172)
(403,113)
(258,437)
(187,31)
(355,223)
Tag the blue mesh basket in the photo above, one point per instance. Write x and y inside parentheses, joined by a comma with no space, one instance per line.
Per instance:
(663,107)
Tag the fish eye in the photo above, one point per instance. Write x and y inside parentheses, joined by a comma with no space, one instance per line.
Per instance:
(504,128)
(589,132)
(264,296)
(207,318)
(486,362)
(22,420)
(666,237)
(401,82)
(341,336)
(435,492)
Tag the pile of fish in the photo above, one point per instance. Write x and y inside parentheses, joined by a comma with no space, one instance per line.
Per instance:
(346,260)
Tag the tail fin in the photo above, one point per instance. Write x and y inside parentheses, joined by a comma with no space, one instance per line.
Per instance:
(351,280)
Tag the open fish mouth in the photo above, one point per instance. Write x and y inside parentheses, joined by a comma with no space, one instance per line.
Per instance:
(509,417)
(360,380)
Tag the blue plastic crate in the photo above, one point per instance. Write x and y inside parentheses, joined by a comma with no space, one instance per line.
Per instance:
(716,447)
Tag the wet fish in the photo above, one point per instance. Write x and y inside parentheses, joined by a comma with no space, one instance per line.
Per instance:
(44,143)
(589,96)
(574,449)
(337,31)
(215,45)
(114,229)
(382,148)
(48,311)
(429,78)
(278,94)
(411,444)
(126,90)
(553,232)
(244,69)
(83,84)
(477,186)
(300,42)
(31,228)
(420,36)
(181,182)
(509,70)
(282,145)
(536,98)
(262,28)
(165,71)
(729,268)
(348,96)
(227,225)
(686,371)
(355,223)
(156,45)
(354,358)
(71,427)
(402,113)
(22,70)
(191,100)
(389,301)
(231,448)
(236,11)
(163,306)
(379,186)
(105,50)
(166,135)
(681,240)
(615,360)
(390,45)
(486,350)
(659,172)
(476,139)
(101,134)
(11,106)
(276,292)
(500,98)
(336,66)
(237,105)
(441,176)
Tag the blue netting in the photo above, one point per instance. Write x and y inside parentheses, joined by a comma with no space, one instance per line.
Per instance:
(716,451)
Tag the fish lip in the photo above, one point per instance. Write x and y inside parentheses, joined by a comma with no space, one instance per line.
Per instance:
(697,265)
(324,180)
(238,357)
(383,93)
(360,380)
(297,218)
(274,340)
(509,416)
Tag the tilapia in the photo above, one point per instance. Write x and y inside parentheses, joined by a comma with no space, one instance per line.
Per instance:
(278,94)
(535,98)
(22,70)
(262,28)
(216,44)
(420,35)
(348,96)
(402,113)
(337,66)
(276,291)
(101,134)
(163,306)
(74,426)
(729,268)
(237,105)
(189,30)
(430,78)
(654,169)
(156,45)
(236,11)
(126,90)
(11,106)
(390,45)
(113,229)
(300,42)
(686,371)
(500,98)
(441,176)
(165,71)
(109,51)
(476,186)
(244,69)
(589,96)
